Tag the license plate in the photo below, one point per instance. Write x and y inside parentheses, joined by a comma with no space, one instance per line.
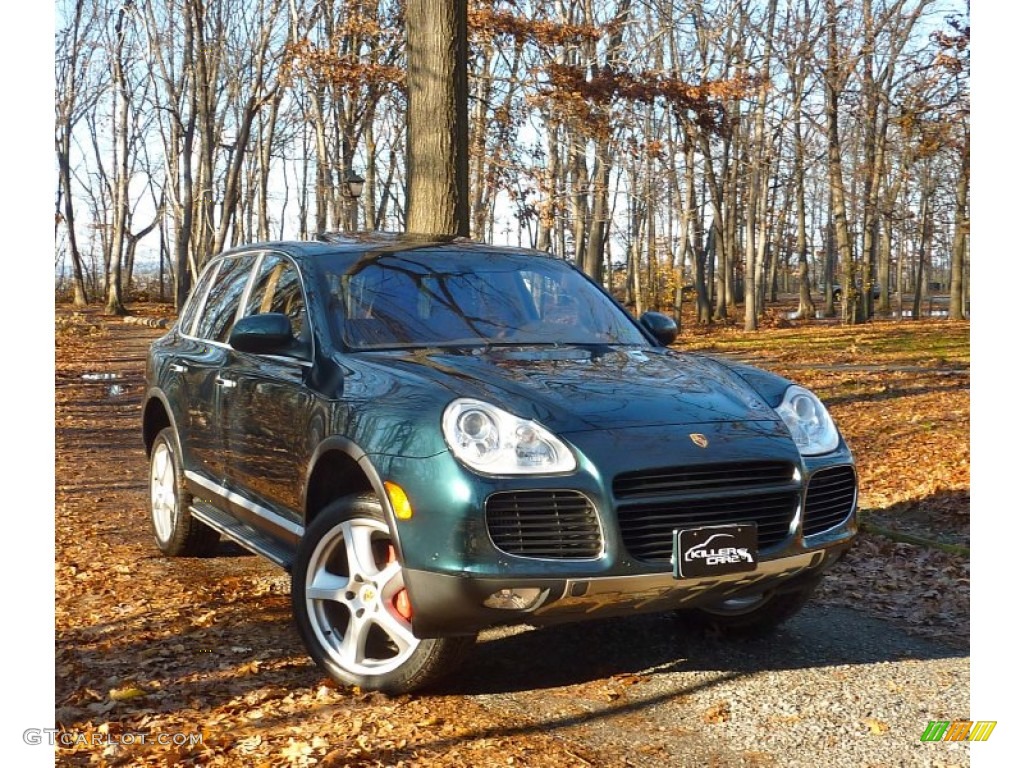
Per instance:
(714,550)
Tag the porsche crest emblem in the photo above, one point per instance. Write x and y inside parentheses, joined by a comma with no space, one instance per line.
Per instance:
(699,440)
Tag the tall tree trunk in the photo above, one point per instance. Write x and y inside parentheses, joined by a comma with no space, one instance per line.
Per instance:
(115,303)
(806,309)
(885,244)
(67,116)
(437,122)
(81,296)
(596,237)
(715,191)
(835,79)
(924,235)
(551,176)
(757,191)
(957,292)
(268,128)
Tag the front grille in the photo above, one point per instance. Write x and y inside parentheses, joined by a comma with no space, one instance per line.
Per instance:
(550,524)
(711,477)
(653,503)
(830,498)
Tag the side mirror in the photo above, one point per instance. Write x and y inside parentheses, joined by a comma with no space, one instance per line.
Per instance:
(269,333)
(661,327)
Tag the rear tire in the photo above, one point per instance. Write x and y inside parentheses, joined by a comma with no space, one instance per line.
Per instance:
(351,608)
(176,532)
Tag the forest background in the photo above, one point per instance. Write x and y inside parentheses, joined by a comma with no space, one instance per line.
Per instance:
(30,53)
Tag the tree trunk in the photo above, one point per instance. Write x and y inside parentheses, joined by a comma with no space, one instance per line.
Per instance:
(834,82)
(81,297)
(115,303)
(437,122)
(267,131)
(957,294)
(757,191)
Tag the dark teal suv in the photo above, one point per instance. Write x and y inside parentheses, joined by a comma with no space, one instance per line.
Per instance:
(435,437)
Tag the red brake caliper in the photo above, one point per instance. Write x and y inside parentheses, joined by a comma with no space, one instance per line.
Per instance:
(401,598)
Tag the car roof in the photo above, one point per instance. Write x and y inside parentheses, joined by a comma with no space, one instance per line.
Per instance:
(337,243)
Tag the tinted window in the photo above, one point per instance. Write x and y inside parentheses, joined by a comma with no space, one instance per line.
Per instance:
(277,288)
(218,315)
(188,314)
(430,299)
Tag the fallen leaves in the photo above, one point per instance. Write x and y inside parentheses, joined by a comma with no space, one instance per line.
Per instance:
(875,727)
(127,693)
(159,646)
(926,590)
(720,712)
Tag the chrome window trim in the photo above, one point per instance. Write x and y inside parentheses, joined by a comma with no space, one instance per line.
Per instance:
(244,298)
(260,511)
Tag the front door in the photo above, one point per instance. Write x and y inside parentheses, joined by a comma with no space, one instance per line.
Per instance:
(201,367)
(267,419)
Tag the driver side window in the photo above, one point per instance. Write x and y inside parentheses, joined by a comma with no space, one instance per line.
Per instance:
(218,315)
(278,288)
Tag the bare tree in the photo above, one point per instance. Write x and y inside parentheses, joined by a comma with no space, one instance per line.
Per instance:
(73,98)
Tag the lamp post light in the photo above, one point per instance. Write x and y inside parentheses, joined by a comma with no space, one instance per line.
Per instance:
(353,189)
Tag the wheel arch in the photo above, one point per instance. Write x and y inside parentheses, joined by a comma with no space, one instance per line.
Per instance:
(156,415)
(340,468)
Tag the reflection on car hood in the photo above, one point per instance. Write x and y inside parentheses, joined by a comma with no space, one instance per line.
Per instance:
(581,388)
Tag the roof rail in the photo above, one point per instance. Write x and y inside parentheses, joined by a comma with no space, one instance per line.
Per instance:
(376,236)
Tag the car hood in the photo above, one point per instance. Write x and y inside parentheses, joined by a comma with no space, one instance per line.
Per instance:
(584,388)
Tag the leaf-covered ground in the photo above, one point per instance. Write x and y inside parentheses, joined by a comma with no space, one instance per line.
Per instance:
(151,649)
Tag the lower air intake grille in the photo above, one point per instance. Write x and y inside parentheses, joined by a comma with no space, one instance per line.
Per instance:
(549,524)
(830,498)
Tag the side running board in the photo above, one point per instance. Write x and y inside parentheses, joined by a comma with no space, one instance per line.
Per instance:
(252,540)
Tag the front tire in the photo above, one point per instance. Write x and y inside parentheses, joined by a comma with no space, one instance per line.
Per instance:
(176,532)
(351,608)
(751,616)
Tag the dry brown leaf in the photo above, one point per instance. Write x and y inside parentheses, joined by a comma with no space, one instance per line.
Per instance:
(719,713)
(875,726)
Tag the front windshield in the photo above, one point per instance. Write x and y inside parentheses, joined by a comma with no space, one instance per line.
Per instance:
(419,299)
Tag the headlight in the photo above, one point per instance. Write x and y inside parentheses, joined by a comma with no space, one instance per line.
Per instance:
(812,428)
(494,442)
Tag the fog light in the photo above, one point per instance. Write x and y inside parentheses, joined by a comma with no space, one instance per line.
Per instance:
(519,599)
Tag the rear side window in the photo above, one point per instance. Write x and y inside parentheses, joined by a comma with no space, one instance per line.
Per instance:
(218,314)
(188,314)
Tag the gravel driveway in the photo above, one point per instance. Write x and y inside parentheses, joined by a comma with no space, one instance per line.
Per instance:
(830,688)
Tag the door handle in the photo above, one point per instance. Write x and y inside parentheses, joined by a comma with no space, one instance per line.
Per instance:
(178,368)
(226,383)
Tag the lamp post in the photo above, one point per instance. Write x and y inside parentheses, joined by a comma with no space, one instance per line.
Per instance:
(353,189)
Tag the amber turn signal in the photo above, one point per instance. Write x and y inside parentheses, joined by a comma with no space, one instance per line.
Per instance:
(399,501)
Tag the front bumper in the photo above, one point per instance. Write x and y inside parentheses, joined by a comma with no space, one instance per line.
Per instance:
(454,604)
(453,565)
